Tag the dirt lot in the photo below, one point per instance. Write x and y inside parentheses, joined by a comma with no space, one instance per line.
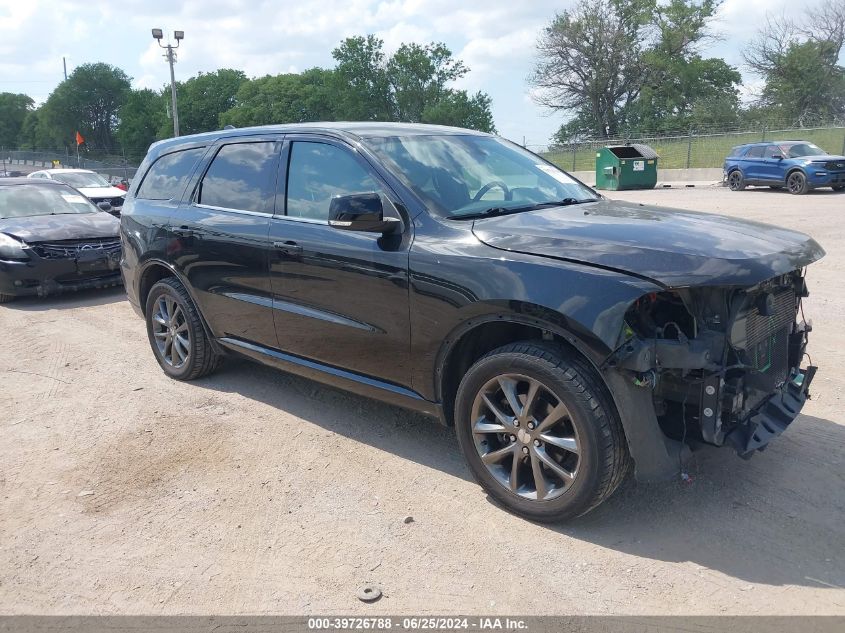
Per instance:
(257,492)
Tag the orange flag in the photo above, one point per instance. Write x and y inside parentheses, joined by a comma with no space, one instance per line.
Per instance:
(79,139)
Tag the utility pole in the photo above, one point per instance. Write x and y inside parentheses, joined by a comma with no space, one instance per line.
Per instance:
(64,66)
(170,56)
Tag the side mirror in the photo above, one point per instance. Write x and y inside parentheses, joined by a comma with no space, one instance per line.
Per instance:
(361,212)
(777,156)
(104,206)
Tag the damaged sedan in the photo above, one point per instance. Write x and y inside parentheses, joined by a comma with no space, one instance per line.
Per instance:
(53,239)
(569,339)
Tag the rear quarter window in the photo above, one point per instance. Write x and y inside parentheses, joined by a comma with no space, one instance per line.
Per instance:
(167,177)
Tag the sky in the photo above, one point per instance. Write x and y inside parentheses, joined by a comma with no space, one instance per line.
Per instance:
(494,38)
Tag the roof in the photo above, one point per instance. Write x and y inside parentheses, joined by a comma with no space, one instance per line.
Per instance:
(355,129)
(769,143)
(65,170)
(22,180)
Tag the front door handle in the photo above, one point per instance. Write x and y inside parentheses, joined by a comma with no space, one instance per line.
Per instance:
(288,248)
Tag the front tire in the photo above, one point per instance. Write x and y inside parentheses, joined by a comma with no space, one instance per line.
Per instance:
(796,183)
(839,188)
(736,181)
(539,432)
(6,298)
(176,332)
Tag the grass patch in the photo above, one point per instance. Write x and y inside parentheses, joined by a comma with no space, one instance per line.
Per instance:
(703,151)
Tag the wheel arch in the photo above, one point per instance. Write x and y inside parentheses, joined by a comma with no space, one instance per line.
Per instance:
(153,271)
(479,335)
(792,170)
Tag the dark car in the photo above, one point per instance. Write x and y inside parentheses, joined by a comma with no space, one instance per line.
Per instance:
(452,272)
(797,165)
(53,239)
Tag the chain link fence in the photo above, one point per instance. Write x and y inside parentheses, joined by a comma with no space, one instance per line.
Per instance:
(690,150)
(25,161)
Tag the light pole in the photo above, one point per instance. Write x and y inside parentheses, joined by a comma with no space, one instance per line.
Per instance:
(170,56)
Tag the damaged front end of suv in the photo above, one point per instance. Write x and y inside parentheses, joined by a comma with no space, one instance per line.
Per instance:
(722,363)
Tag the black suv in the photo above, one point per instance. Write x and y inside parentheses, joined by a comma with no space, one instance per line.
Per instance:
(455,273)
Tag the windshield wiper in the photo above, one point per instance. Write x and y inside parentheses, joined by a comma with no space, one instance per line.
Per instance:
(494,211)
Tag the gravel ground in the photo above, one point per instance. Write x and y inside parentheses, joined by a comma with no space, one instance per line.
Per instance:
(253,491)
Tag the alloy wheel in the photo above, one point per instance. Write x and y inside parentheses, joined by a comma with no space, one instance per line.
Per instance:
(795,182)
(525,437)
(735,180)
(171,332)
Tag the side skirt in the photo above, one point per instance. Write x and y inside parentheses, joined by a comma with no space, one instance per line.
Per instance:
(340,378)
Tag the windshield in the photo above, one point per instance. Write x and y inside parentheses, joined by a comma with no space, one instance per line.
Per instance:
(81,179)
(20,201)
(461,176)
(803,149)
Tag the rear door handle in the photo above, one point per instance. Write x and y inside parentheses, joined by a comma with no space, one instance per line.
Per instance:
(288,248)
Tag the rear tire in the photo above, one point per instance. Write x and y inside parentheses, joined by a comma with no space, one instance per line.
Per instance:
(736,181)
(176,333)
(562,450)
(6,298)
(796,183)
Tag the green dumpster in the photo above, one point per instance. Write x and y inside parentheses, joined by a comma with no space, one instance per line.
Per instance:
(626,167)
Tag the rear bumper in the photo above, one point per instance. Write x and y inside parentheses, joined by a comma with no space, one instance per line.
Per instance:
(773,416)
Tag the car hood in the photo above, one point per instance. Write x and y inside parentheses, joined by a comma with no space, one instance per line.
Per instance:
(672,247)
(98,193)
(70,226)
(822,158)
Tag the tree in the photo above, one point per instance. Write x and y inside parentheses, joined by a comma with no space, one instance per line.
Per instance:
(457,108)
(87,101)
(363,87)
(35,132)
(803,81)
(141,116)
(202,99)
(617,66)
(418,76)
(14,109)
(288,98)
(591,61)
(412,85)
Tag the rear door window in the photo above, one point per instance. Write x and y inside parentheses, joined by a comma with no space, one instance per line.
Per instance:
(167,177)
(755,152)
(242,176)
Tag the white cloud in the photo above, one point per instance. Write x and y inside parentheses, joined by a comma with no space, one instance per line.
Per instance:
(494,38)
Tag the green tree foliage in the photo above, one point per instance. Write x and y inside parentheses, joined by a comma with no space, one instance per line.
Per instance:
(36,132)
(363,88)
(202,99)
(88,101)
(142,115)
(457,108)
(418,76)
(288,98)
(14,109)
(411,85)
(366,85)
(615,66)
(798,61)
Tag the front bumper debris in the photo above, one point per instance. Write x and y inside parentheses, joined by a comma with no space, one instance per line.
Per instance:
(772,417)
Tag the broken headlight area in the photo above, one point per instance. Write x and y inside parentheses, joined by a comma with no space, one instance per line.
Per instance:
(723,363)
